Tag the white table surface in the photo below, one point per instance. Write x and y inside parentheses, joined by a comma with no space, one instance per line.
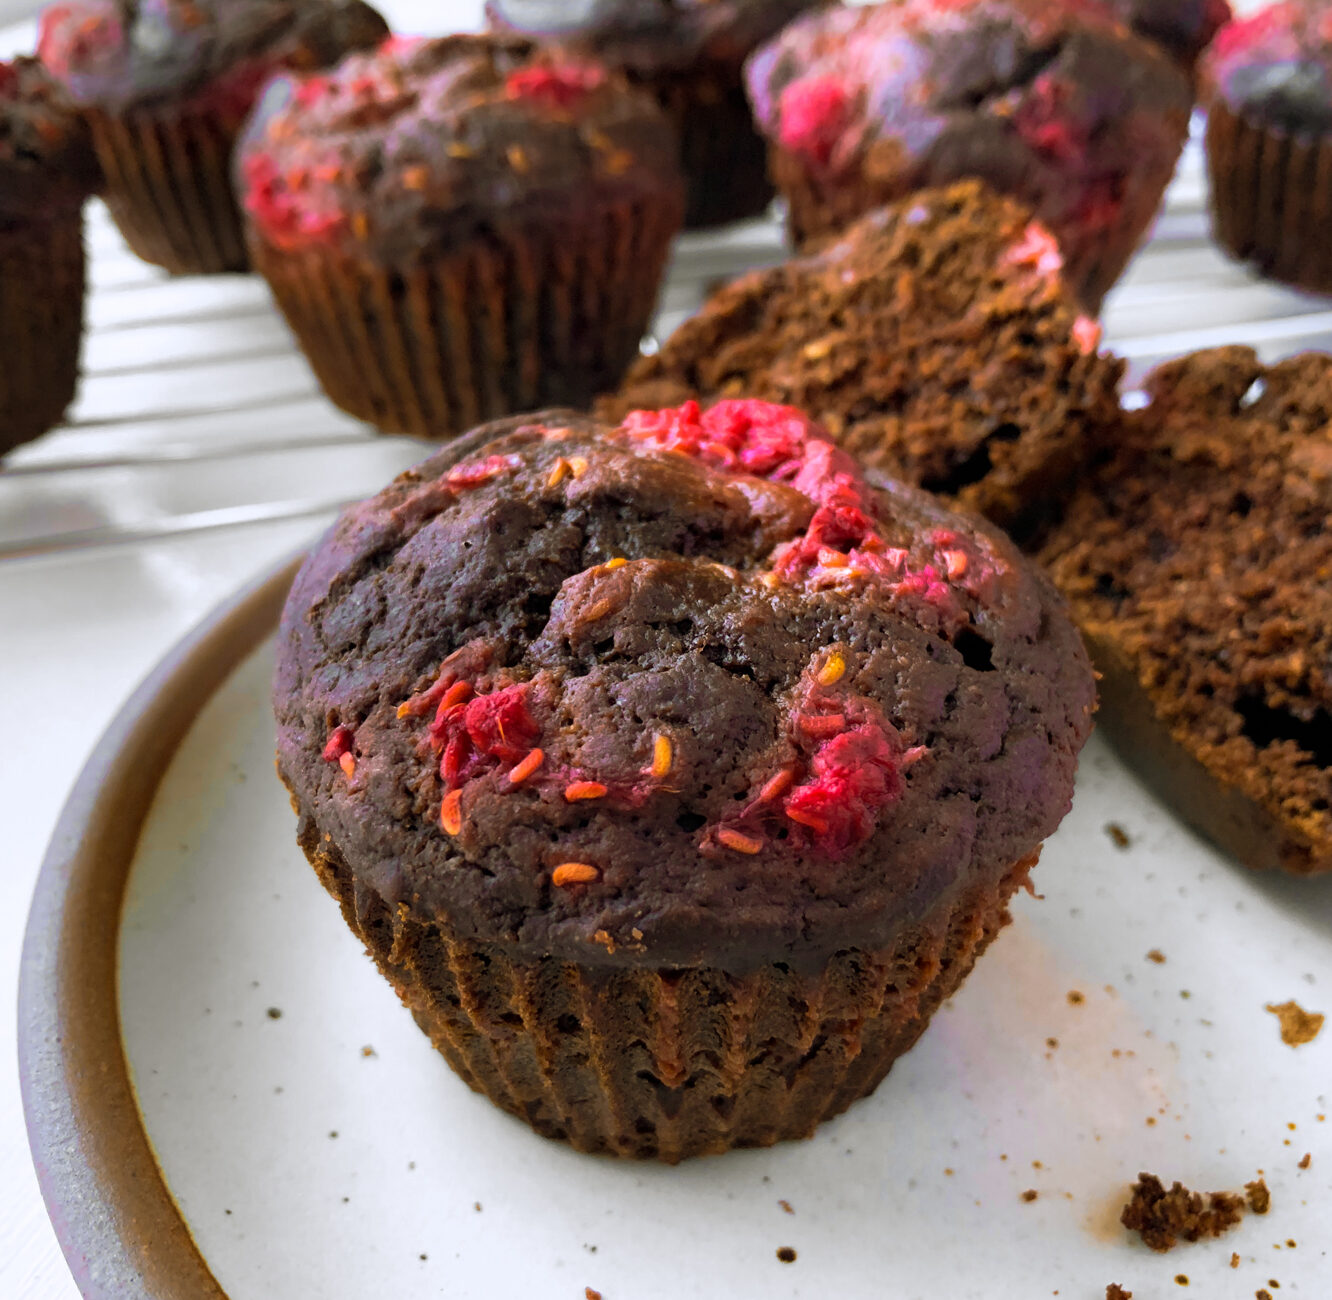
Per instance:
(81,626)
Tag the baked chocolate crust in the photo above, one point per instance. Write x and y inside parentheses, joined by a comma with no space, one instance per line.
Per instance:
(119,55)
(673,723)
(1197,561)
(425,144)
(1055,104)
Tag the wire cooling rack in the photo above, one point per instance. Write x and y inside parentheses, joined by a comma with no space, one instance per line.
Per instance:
(197,412)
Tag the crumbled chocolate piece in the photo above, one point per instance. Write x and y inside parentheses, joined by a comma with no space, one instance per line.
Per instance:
(1116,1292)
(1298,1026)
(1118,835)
(1259,1198)
(1161,1218)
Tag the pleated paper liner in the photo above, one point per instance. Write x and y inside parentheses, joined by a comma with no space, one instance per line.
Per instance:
(168,186)
(41,324)
(668,1064)
(819,210)
(496,327)
(1271,198)
(723,157)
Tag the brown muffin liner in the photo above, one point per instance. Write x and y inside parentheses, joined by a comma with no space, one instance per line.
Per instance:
(493,328)
(818,210)
(723,157)
(41,324)
(168,185)
(667,1064)
(1271,198)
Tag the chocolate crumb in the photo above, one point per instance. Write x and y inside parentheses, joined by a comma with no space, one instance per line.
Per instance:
(423,1255)
(275,1013)
(1030,1194)
(786,1254)
(1116,1292)
(1262,1294)
(367,1050)
(476,1205)
(1181,1279)
(1259,1198)
(1075,998)
(1157,956)
(589,1294)
(1162,1217)
(1234,1260)
(1298,1026)
(1052,1043)
(1118,835)
(1306,1159)
(786,1205)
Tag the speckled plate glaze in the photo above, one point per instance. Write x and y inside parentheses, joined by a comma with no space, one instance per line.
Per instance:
(190,994)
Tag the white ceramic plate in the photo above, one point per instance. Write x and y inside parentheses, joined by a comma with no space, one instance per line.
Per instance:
(303,1164)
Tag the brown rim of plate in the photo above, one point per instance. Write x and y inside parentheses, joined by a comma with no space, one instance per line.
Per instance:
(122,1233)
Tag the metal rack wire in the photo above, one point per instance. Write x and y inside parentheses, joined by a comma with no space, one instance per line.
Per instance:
(197,413)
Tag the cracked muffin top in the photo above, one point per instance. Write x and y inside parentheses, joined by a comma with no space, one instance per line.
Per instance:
(125,54)
(1275,65)
(689,689)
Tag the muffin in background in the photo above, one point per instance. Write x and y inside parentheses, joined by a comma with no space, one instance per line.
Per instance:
(1183,28)
(937,341)
(462,228)
(1267,79)
(46,172)
(165,86)
(1197,560)
(673,773)
(689,56)
(1058,105)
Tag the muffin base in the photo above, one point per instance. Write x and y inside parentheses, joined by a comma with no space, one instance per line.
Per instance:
(668,1064)
(723,157)
(41,324)
(168,186)
(1094,257)
(491,329)
(1271,198)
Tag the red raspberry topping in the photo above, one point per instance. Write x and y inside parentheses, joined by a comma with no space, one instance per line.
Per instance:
(339,743)
(483,733)
(812,114)
(854,775)
(72,36)
(556,85)
(280,208)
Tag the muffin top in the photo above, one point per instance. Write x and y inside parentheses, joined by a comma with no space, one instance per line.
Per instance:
(124,54)
(647,36)
(1183,27)
(1276,65)
(984,87)
(687,690)
(1201,552)
(46,161)
(426,142)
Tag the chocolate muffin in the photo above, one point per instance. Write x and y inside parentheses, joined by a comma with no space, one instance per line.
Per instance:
(1183,28)
(937,341)
(165,86)
(1268,83)
(1056,104)
(673,773)
(459,229)
(46,172)
(1198,561)
(688,54)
